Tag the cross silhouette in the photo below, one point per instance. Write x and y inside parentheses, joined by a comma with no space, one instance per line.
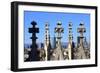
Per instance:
(34,52)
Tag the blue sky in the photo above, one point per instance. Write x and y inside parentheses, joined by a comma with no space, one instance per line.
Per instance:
(52,17)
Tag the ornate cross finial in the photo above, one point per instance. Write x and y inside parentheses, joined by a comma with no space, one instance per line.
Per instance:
(59,29)
(33,54)
(81,29)
(70,32)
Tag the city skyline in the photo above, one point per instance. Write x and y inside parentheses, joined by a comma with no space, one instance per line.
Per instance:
(52,18)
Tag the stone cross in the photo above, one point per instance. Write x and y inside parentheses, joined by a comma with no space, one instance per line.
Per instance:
(34,53)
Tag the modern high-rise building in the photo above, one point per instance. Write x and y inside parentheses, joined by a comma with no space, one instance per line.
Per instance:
(53,42)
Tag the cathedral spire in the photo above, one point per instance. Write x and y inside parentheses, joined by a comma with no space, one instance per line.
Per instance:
(58,31)
(81,30)
(70,44)
(81,52)
(47,44)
